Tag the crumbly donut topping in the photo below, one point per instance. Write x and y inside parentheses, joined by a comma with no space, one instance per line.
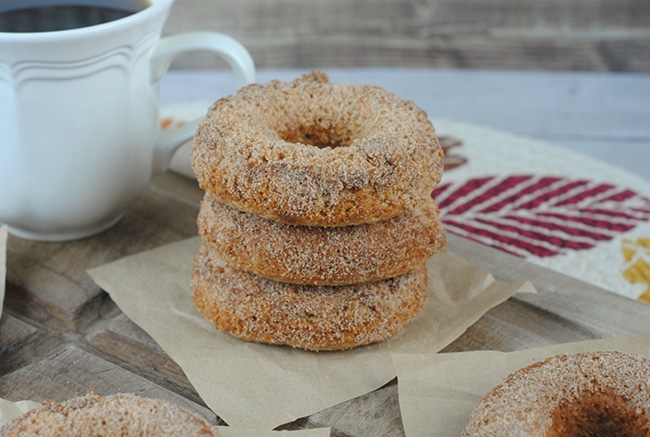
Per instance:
(316,153)
(595,394)
(315,318)
(322,256)
(121,414)
(317,219)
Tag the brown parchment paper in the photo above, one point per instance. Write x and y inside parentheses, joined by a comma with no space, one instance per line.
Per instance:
(11,410)
(3,263)
(249,384)
(438,392)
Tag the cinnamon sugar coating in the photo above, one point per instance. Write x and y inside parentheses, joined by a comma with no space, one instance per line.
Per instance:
(116,415)
(322,256)
(314,153)
(315,318)
(572,395)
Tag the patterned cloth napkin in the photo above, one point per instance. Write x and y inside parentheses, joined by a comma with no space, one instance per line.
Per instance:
(549,205)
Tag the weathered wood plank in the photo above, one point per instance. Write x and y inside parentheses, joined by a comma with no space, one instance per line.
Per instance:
(47,282)
(564,310)
(119,340)
(21,343)
(72,371)
(603,35)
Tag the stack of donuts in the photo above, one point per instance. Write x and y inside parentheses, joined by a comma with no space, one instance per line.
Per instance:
(317,219)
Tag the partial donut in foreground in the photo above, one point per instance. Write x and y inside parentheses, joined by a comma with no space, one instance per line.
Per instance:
(108,416)
(315,318)
(315,153)
(322,256)
(594,394)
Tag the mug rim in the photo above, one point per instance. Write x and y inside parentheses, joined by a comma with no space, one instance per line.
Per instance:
(144,14)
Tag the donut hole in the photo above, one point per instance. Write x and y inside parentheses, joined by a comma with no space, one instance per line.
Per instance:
(602,414)
(318,135)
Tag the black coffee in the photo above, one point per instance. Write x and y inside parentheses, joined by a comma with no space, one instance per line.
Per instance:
(51,15)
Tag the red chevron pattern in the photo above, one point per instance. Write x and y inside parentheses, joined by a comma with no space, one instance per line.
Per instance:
(539,215)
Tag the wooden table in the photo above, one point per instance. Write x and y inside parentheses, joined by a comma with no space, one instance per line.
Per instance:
(60,335)
(598,35)
(601,115)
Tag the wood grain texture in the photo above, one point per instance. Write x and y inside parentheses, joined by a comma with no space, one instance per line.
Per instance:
(596,35)
(71,371)
(60,335)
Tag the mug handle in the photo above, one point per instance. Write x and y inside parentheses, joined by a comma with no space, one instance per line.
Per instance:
(164,53)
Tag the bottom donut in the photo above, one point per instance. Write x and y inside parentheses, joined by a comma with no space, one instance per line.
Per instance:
(316,318)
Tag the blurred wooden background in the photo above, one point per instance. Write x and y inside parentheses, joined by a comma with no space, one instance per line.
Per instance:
(569,35)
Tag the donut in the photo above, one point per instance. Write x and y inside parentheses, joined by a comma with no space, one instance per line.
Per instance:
(315,318)
(314,153)
(581,394)
(311,255)
(122,414)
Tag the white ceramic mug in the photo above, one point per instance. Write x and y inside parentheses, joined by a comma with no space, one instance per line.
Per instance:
(79,119)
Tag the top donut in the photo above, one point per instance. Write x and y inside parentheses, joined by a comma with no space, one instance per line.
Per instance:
(314,153)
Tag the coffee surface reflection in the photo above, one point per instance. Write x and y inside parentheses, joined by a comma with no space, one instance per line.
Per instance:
(48,15)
